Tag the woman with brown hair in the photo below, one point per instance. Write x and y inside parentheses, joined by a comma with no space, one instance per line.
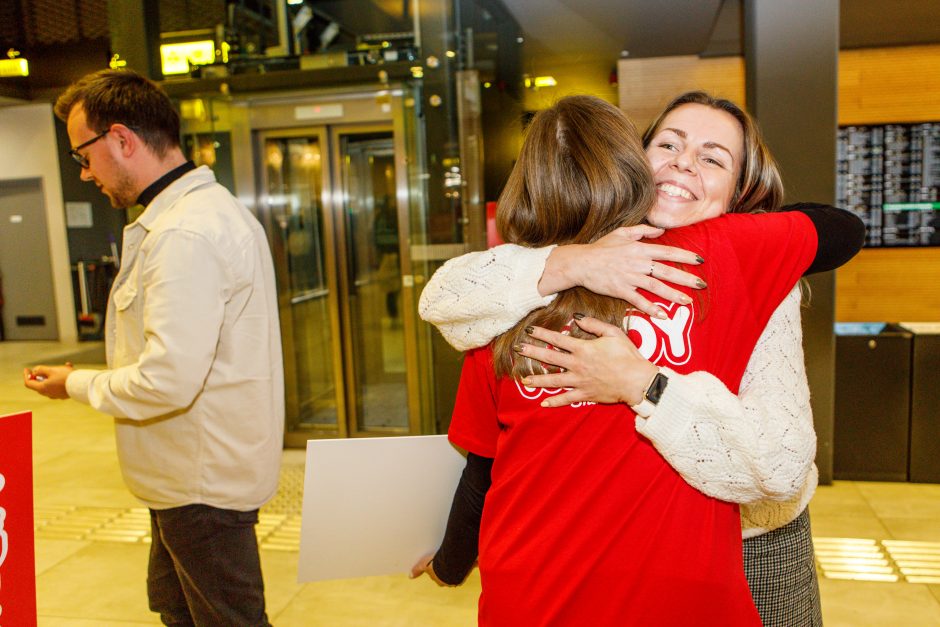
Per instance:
(584,521)
(755,448)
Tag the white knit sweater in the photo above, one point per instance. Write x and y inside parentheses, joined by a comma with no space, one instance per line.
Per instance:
(756,448)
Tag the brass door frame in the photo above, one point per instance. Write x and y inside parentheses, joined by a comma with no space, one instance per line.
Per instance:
(409,320)
(381,106)
(299,437)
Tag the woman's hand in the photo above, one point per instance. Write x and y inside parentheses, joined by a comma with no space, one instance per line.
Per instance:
(426,565)
(607,370)
(619,264)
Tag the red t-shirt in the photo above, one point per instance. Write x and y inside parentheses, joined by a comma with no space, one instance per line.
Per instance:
(585,522)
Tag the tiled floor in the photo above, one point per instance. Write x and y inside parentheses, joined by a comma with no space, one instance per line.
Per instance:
(91,545)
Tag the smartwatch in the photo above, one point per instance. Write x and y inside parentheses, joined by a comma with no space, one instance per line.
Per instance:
(654,392)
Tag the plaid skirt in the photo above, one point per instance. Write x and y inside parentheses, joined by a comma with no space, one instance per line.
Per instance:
(781,572)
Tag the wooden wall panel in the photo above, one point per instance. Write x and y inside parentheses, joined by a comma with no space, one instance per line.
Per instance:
(885,85)
(890,285)
(876,85)
(646,85)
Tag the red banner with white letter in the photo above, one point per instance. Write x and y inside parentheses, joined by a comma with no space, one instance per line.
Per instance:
(17,560)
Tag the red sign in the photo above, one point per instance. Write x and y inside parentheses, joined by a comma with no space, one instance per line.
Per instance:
(17,560)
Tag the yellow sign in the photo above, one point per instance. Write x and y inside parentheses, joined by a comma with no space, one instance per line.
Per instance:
(177,58)
(193,110)
(14,67)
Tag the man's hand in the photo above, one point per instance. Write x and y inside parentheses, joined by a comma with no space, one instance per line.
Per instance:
(48,380)
(609,369)
(619,264)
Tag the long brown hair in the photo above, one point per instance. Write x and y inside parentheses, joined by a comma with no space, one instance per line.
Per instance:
(759,187)
(581,173)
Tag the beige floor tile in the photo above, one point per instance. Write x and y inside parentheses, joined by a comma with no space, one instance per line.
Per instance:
(280,580)
(103,581)
(935,591)
(847,526)
(842,498)
(902,500)
(872,604)
(49,553)
(382,602)
(923,529)
(65,480)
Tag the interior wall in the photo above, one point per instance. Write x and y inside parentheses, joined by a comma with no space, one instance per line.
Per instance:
(889,85)
(876,86)
(28,134)
(577,78)
(890,285)
(647,85)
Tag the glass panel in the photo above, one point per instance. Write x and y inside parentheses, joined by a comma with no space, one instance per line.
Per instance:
(376,327)
(294,191)
(213,150)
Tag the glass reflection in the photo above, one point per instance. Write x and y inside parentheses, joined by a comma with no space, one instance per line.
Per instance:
(375,282)
(294,192)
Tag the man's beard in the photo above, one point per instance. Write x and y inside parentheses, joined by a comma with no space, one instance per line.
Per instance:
(122,195)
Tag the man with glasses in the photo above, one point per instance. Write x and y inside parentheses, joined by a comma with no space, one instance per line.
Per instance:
(194,378)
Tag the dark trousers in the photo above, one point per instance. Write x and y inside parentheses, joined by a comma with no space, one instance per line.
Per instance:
(205,568)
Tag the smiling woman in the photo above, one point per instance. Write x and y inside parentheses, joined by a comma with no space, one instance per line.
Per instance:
(696,159)
(756,184)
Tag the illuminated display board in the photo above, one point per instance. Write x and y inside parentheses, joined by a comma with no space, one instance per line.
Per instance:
(177,58)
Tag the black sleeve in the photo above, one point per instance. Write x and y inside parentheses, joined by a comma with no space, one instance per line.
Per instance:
(841,234)
(458,552)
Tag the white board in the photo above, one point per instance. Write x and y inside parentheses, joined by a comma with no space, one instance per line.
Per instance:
(374,506)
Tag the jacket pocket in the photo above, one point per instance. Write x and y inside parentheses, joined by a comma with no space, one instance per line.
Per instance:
(124,296)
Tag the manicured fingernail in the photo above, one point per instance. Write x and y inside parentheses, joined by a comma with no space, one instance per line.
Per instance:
(544,403)
(529,330)
(578,316)
(661,314)
(699,259)
(686,300)
(519,348)
(701,284)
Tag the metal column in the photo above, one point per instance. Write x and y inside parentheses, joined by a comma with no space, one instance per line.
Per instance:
(791,60)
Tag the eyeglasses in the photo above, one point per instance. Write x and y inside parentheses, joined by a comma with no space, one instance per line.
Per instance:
(81,159)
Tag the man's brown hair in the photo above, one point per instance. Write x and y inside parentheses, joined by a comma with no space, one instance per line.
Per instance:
(581,173)
(124,97)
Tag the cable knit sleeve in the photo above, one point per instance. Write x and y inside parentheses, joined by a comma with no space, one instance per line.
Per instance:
(757,445)
(473,298)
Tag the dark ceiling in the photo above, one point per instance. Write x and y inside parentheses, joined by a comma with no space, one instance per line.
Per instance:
(563,30)
(74,33)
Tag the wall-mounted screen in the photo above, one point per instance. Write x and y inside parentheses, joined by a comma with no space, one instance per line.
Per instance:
(890,175)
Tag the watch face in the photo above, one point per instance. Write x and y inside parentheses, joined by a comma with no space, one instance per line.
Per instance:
(655,391)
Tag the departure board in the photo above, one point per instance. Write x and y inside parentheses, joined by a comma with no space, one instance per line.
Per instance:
(890,176)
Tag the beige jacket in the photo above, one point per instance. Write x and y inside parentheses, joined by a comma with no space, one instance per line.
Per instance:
(195,378)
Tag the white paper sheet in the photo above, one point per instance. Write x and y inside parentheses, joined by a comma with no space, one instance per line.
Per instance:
(374,506)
